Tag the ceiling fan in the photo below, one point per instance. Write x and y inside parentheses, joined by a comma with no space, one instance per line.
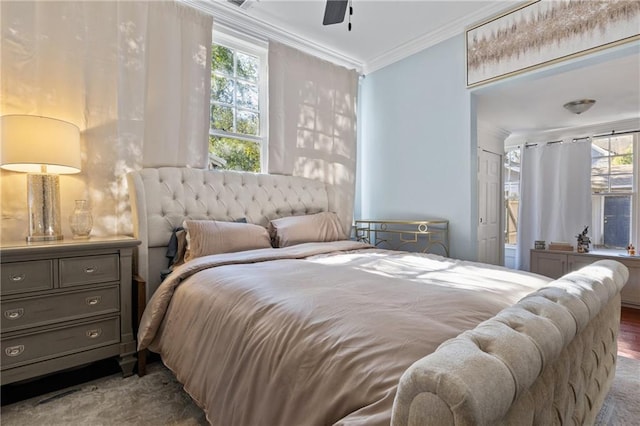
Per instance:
(335,10)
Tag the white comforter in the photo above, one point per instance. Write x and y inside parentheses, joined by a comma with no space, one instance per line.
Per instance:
(318,333)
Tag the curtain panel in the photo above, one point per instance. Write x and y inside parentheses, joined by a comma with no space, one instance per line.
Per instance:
(133,76)
(312,123)
(555,195)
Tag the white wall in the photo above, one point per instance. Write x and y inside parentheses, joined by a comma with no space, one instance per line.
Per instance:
(417,148)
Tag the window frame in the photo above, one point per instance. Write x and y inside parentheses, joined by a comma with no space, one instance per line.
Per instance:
(243,43)
(506,192)
(599,197)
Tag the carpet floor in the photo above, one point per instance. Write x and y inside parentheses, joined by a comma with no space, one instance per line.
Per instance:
(158,399)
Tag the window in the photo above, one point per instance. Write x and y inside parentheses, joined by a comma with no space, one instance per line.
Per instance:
(238,126)
(614,192)
(511,194)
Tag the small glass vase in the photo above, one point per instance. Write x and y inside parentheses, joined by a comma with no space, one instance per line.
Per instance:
(81,220)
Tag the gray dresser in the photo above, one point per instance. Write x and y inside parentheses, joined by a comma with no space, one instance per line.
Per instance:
(65,304)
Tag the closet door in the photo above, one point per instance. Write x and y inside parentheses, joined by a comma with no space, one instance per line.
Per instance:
(490,240)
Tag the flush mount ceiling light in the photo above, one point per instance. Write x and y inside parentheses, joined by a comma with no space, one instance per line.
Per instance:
(580,106)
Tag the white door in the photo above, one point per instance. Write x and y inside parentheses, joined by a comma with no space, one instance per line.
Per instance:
(490,242)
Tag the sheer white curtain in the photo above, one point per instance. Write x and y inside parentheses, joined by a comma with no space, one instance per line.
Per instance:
(312,124)
(133,76)
(555,195)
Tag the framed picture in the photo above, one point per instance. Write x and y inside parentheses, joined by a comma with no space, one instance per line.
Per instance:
(542,32)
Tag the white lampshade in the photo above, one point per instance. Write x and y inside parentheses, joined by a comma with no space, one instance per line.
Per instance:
(43,148)
(30,142)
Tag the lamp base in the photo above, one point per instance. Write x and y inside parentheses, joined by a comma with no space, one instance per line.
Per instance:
(43,198)
(41,238)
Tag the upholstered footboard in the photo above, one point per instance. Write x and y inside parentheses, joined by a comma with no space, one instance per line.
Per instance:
(549,359)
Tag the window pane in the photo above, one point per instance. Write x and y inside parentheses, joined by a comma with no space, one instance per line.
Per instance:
(600,146)
(222,59)
(247,96)
(621,182)
(222,89)
(599,183)
(512,195)
(239,155)
(247,67)
(222,118)
(621,145)
(599,165)
(248,123)
(617,220)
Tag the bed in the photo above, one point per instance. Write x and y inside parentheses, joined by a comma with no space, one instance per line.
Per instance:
(325,330)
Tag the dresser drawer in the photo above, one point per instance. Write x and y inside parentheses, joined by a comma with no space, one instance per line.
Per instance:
(43,310)
(58,342)
(19,277)
(89,270)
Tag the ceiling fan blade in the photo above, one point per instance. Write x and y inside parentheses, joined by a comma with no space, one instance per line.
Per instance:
(334,11)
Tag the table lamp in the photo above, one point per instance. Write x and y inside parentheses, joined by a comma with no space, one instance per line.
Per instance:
(43,148)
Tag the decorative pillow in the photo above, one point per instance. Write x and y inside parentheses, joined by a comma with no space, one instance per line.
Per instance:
(292,230)
(206,237)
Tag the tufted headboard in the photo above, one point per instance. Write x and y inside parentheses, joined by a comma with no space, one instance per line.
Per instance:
(162,198)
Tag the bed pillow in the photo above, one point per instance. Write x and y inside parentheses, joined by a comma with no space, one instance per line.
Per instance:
(319,227)
(206,237)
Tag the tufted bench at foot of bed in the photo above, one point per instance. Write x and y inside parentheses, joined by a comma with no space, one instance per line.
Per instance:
(549,359)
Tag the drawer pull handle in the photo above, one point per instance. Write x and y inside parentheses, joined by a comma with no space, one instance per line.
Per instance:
(13,314)
(93,300)
(90,269)
(17,278)
(14,350)
(92,334)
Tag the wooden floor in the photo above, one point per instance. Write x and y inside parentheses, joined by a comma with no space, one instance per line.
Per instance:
(629,337)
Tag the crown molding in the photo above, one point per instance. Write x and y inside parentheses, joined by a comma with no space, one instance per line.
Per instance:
(425,41)
(237,18)
(493,130)
(231,16)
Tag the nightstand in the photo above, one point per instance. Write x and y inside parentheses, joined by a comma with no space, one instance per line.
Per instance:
(65,304)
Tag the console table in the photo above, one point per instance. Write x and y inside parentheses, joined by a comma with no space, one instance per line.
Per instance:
(555,264)
(426,236)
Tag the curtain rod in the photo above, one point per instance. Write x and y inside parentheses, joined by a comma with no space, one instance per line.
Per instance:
(527,145)
(559,141)
(613,133)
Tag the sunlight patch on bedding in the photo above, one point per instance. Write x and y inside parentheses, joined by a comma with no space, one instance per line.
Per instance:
(435,270)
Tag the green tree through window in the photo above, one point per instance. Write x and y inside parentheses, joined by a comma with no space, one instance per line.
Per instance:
(235,133)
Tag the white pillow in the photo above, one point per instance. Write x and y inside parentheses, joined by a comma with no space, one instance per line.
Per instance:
(292,230)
